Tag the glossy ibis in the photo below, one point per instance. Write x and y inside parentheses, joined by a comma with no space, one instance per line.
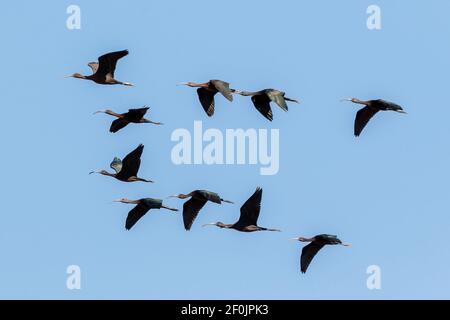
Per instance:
(316,243)
(127,169)
(103,70)
(371,108)
(123,119)
(141,208)
(198,199)
(249,216)
(261,100)
(206,92)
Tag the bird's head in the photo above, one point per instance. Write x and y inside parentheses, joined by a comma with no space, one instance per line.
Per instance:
(189,84)
(354,100)
(301,239)
(179,196)
(74,75)
(103,172)
(217,224)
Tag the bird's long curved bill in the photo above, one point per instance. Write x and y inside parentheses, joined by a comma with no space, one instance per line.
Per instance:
(93,172)
(99,111)
(182,84)
(174,196)
(401,111)
(346,99)
(209,224)
(293,239)
(68,76)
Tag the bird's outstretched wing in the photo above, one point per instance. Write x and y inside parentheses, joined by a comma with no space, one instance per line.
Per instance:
(135,214)
(191,209)
(278,97)
(308,253)
(93,66)
(137,113)
(362,118)
(206,98)
(131,163)
(224,88)
(107,62)
(116,164)
(262,104)
(250,209)
(118,124)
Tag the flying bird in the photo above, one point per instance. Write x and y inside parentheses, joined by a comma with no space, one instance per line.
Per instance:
(198,199)
(103,70)
(126,169)
(206,92)
(141,208)
(249,216)
(261,100)
(371,108)
(123,119)
(315,244)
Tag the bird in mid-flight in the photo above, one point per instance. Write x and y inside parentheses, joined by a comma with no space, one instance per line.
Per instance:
(123,119)
(249,216)
(141,208)
(315,244)
(103,70)
(126,169)
(371,108)
(206,92)
(262,99)
(198,199)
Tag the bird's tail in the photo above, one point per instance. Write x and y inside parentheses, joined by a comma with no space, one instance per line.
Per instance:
(227,201)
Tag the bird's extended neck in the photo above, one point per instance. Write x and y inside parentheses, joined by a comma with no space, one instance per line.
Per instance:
(358,101)
(124,200)
(110,112)
(195,85)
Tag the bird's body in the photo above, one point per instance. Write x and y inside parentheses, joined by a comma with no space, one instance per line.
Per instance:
(206,92)
(126,170)
(315,244)
(249,216)
(103,70)
(141,208)
(262,99)
(123,119)
(198,199)
(371,108)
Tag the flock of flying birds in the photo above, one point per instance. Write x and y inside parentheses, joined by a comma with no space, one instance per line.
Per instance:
(126,170)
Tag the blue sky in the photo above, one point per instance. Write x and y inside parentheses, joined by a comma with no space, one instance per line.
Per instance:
(386,192)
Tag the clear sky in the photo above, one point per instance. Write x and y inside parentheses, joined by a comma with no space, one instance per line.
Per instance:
(386,192)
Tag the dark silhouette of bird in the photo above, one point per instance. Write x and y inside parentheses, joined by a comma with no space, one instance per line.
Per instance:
(103,70)
(141,208)
(316,243)
(371,108)
(126,169)
(261,100)
(249,216)
(206,92)
(123,119)
(198,199)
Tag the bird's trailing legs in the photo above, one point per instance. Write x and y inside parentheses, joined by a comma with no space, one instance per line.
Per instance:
(171,209)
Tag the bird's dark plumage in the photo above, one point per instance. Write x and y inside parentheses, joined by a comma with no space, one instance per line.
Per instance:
(362,118)
(250,210)
(192,207)
(310,250)
(107,64)
(140,210)
(131,164)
